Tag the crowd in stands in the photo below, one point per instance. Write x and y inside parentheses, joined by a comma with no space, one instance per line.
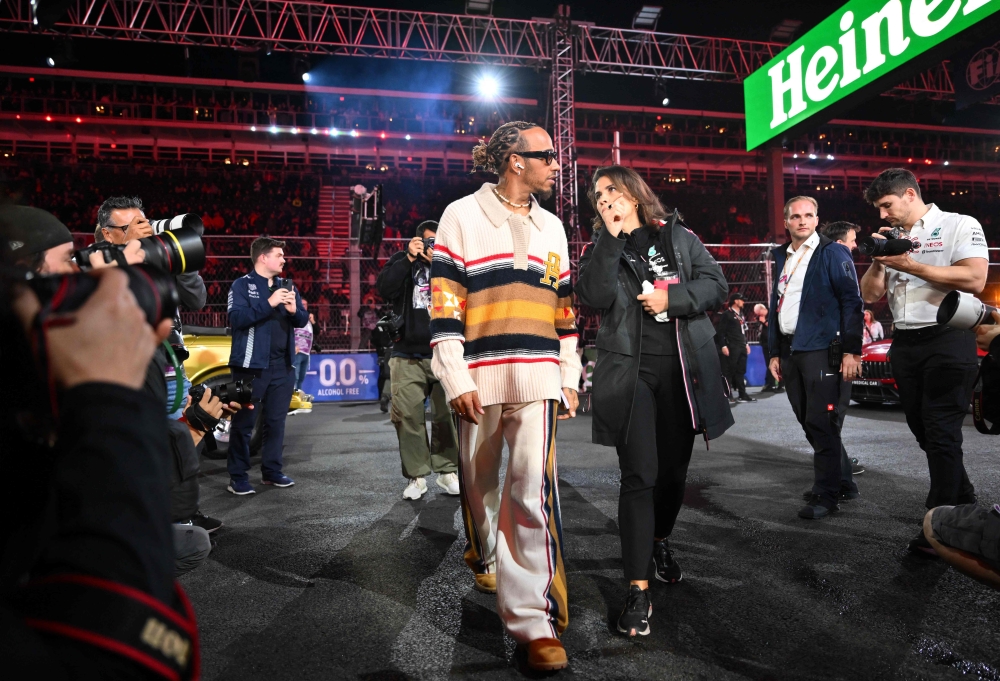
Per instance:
(238,203)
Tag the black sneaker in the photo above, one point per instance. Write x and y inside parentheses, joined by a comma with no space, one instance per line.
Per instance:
(856,468)
(667,570)
(817,507)
(847,494)
(634,620)
(204,522)
(383,404)
(919,544)
(745,398)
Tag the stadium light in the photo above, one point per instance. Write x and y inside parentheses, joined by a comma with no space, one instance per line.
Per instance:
(306,77)
(647,18)
(489,87)
(479,7)
(407,138)
(50,61)
(253,128)
(666,101)
(274,129)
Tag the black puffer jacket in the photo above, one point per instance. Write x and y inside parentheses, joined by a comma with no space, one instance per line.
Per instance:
(608,282)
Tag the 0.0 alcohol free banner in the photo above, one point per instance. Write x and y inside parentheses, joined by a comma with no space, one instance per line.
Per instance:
(342,378)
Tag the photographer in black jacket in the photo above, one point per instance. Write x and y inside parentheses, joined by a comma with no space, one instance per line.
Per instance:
(406,283)
(731,337)
(86,557)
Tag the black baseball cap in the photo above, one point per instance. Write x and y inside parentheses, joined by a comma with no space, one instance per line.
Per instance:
(735,296)
(25,232)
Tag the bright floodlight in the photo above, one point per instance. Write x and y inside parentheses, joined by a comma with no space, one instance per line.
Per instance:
(489,87)
(50,61)
(274,128)
(666,101)
(306,77)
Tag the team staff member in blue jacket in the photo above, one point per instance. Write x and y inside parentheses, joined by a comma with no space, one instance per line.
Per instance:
(263,315)
(818,303)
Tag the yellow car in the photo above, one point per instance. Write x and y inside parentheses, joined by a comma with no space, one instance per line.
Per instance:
(208,363)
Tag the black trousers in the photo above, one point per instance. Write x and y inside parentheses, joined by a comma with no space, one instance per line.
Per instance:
(935,369)
(734,368)
(272,391)
(653,458)
(819,397)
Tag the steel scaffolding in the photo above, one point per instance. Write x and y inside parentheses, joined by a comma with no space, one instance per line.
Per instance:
(563,119)
(312,26)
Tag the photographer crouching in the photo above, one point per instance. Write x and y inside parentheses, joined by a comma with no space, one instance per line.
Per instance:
(934,365)
(87,565)
(406,283)
(968,536)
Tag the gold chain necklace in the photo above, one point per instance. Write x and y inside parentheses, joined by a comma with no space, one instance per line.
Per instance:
(508,201)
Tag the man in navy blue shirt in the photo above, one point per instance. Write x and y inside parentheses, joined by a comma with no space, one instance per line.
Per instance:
(263,311)
(817,306)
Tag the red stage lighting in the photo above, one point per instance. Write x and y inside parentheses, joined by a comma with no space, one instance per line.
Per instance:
(48,118)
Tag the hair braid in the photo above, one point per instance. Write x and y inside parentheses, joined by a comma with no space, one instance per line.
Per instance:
(490,156)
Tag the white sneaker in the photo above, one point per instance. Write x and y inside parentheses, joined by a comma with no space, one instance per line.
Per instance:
(448,482)
(416,489)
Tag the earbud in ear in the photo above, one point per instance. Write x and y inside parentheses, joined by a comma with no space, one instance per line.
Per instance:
(519,166)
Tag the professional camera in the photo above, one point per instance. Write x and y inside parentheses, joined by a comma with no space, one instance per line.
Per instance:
(154,291)
(185,220)
(240,390)
(964,311)
(174,252)
(894,244)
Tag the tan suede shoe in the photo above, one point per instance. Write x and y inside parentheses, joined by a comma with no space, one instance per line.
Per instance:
(547,654)
(486,583)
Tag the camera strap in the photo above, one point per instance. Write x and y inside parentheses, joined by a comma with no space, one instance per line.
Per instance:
(117,618)
(178,378)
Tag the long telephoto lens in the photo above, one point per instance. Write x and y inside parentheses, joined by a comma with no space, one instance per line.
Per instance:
(191,220)
(154,291)
(964,311)
(175,251)
(873,247)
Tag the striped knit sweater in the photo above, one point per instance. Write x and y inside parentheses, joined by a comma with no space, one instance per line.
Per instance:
(502,319)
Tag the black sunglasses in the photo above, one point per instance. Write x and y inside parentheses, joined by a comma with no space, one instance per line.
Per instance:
(547,156)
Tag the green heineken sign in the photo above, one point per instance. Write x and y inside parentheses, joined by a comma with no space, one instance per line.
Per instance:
(861,42)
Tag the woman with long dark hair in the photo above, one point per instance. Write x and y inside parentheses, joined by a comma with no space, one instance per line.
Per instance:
(657,383)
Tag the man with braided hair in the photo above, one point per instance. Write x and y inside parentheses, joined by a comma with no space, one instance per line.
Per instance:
(504,340)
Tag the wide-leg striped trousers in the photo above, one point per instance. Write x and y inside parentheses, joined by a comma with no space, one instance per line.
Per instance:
(517,534)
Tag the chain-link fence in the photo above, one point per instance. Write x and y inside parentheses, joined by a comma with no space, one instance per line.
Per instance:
(323,270)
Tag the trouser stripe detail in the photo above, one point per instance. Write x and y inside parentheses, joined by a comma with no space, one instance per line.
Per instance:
(474,551)
(555,592)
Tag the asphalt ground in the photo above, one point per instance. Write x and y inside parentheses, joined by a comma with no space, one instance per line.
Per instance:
(338,577)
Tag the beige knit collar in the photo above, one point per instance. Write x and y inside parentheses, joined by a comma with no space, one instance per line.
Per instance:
(498,213)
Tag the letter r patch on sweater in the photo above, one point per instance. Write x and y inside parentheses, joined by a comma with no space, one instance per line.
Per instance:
(552,271)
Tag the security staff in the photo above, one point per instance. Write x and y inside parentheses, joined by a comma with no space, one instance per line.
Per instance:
(934,365)
(818,307)
(731,337)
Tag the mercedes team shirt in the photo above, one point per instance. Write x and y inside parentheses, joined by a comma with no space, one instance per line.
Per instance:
(940,239)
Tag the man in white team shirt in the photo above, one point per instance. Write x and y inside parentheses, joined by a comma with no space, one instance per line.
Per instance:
(934,365)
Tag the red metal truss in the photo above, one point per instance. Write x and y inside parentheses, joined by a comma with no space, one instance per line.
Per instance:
(311,26)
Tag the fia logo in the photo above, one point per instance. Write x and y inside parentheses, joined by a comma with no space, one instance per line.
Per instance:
(551,277)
